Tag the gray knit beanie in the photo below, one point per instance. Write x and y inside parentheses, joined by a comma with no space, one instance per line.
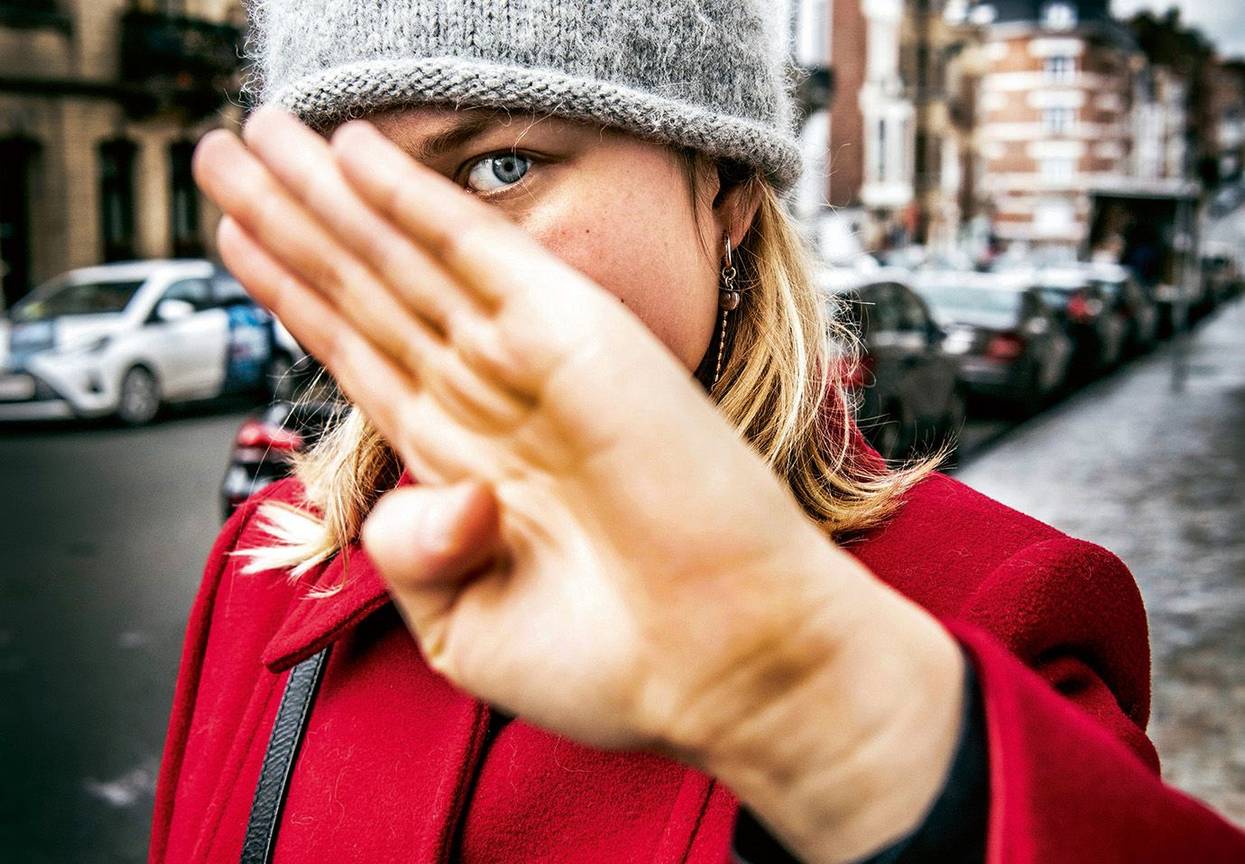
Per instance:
(710,74)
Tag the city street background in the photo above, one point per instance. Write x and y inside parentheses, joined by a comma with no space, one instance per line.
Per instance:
(1075,168)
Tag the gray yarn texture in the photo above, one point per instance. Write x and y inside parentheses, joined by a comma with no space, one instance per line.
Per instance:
(710,74)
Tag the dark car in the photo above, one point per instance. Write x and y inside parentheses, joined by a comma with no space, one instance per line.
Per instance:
(1097,327)
(266,441)
(1011,344)
(1221,273)
(1124,298)
(910,399)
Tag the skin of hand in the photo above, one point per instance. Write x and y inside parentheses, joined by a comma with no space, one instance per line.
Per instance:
(591,545)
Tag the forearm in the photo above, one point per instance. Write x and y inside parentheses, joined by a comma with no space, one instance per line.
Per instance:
(850,758)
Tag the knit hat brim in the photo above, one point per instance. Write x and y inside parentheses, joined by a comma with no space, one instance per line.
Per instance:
(332,96)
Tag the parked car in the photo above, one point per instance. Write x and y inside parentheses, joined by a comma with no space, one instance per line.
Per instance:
(123,339)
(1222,274)
(907,383)
(1123,296)
(1098,328)
(265,443)
(1012,345)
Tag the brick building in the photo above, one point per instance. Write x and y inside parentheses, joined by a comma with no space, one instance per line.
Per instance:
(101,102)
(1055,118)
(1227,108)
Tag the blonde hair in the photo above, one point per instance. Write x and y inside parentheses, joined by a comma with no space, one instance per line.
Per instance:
(780,389)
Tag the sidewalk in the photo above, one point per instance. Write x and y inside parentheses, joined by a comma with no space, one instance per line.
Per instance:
(1150,463)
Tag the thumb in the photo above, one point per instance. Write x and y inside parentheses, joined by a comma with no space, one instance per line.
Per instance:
(429,539)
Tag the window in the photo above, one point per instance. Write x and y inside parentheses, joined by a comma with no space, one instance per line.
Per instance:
(1059,68)
(116,198)
(881,150)
(1059,121)
(183,202)
(228,291)
(19,157)
(912,313)
(196,292)
(1057,169)
(1059,16)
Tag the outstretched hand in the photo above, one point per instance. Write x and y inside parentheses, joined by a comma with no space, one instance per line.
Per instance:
(590,545)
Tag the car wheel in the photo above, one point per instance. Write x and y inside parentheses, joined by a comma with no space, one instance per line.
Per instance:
(139,401)
(279,380)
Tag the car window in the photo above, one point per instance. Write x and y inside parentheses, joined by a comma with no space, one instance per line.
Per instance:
(1031,306)
(912,318)
(196,292)
(81,298)
(880,308)
(228,291)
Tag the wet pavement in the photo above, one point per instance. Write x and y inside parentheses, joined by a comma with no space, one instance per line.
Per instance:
(1150,463)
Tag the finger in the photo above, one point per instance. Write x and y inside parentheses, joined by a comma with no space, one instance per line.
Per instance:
(474,241)
(428,542)
(472,372)
(248,192)
(438,446)
(304,163)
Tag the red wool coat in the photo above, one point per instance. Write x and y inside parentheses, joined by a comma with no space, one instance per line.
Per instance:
(391,767)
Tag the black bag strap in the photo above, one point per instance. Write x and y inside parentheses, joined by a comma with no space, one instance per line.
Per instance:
(274,775)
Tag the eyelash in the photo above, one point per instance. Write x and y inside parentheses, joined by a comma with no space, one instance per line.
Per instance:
(465,170)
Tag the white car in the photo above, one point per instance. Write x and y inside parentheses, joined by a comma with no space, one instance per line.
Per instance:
(122,339)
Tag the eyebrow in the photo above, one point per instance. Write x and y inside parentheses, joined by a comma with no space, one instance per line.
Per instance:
(459,132)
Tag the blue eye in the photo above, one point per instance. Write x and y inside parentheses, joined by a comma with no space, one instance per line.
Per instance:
(505,169)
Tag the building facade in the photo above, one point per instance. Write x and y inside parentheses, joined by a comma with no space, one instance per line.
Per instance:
(1055,119)
(1160,125)
(101,103)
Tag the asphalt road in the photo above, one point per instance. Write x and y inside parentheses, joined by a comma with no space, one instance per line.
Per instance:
(103,534)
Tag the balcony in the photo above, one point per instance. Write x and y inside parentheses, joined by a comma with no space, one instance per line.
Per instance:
(180,63)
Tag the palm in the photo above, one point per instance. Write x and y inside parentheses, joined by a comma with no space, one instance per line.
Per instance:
(642,535)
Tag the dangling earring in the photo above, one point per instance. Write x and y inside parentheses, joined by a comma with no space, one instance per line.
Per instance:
(728,299)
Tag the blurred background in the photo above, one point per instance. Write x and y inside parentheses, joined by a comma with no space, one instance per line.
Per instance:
(1031,211)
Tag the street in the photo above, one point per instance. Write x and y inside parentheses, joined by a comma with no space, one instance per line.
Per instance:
(107,529)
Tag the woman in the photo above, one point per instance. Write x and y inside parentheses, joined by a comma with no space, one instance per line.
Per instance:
(560,606)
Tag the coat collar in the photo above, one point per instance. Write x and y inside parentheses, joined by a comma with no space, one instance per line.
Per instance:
(314,622)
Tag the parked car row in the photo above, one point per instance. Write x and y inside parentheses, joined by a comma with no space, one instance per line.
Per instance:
(124,339)
(930,339)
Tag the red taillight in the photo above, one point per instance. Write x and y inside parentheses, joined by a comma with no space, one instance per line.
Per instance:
(1005,346)
(256,434)
(1082,308)
(855,372)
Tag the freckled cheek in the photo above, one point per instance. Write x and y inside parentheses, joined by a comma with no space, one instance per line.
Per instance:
(665,288)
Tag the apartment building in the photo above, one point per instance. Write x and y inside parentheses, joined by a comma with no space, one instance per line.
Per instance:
(101,102)
(941,61)
(1055,118)
(1227,109)
(1160,125)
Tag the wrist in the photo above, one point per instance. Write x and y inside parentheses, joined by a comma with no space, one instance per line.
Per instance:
(841,739)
